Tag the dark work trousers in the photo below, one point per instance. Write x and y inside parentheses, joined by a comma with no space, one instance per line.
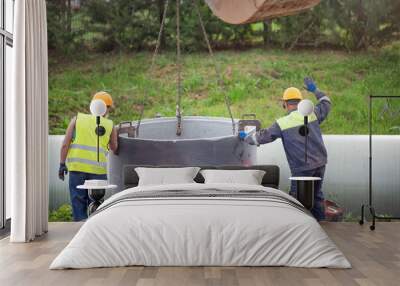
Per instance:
(79,197)
(318,210)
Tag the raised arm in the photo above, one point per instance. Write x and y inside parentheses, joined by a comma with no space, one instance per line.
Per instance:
(323,108)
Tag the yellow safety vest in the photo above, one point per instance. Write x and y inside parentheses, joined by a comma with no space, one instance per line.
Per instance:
(294,119)
(82,153)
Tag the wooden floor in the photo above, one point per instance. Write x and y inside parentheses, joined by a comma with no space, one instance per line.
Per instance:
(375,257)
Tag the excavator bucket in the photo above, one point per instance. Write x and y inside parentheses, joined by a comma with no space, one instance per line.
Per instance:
(250,11)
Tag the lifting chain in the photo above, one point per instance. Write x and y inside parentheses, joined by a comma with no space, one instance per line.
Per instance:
(179,67)
(179,71)
(220,78)
(153,60)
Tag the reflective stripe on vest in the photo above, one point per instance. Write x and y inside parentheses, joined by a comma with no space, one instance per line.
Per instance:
(88,148)
(89,162)
(294,119)
(82,154)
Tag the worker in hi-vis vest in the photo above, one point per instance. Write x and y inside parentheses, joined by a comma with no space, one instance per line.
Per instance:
(79,154)
(287,128)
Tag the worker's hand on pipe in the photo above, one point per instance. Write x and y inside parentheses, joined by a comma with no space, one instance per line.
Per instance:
(251,139)
(310,85)
(62,171)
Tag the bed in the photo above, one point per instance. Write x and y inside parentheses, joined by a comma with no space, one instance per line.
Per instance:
(201,224)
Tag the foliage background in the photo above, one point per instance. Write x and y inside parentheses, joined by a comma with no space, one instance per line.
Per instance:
(131,25)
(351,47)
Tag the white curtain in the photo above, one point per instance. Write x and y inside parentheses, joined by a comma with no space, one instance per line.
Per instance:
(27,124)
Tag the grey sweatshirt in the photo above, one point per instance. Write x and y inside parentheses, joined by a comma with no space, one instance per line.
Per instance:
(287,128)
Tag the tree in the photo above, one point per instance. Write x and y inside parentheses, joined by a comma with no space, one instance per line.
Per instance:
(132,25)
(365,22)
(60,36)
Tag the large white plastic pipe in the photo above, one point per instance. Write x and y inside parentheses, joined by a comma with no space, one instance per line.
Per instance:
(346,179)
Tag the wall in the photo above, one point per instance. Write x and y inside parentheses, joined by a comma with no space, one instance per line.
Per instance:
(346,179)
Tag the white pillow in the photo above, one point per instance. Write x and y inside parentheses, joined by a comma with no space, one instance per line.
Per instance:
(248,177)
(166,176)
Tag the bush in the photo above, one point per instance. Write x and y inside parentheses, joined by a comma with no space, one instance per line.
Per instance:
(63,213)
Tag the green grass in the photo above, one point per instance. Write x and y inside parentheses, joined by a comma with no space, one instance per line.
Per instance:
(255,81)
(63,213)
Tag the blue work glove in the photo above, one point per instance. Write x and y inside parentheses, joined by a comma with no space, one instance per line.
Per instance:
(62,171)
(242,135)
(310,85)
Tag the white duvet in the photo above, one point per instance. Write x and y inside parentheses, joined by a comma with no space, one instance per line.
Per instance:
(204,231)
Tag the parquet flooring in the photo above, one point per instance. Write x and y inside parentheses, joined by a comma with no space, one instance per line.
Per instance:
(375,257)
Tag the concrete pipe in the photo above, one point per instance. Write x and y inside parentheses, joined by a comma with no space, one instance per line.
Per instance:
(205,141)
(250,11)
